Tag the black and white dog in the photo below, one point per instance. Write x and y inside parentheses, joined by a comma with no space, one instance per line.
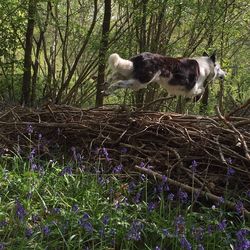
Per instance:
(179,76)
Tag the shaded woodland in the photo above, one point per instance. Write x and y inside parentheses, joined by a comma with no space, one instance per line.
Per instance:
(56,51)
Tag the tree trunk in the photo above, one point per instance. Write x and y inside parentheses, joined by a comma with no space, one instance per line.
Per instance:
(102,52)
(26,95)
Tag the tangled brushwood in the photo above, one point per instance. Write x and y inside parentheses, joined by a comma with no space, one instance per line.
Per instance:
(202,155)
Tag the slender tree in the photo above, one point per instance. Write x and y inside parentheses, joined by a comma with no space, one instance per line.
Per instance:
(27,75)
(102,52)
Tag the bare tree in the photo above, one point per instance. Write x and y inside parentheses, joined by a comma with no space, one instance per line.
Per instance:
(27,75)
(102,52)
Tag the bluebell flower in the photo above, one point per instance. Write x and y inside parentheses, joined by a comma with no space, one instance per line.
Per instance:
(124,150)
(200,247)
(75,208)
(242,242)
(151,206)
(179,225)
(135,231)
(3,223)
(183,196)
(185,244)
(137,198)
(46,230)
(106,154)
(222,225)
(30,129)
(56,210)
(2,247)
(28,232)
(171,197)
(230,171)
(239,207)
(66,171)
(88,227)
(131,186)
(194,166)
(143,177)
(101,232)
(165,232)
(142,165)
(105,220)
(20,211)
(118,169)
(35,218)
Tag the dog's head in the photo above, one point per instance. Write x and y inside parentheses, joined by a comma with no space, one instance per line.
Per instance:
(218,72)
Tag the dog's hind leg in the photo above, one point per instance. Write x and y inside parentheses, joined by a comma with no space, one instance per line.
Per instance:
(125,84)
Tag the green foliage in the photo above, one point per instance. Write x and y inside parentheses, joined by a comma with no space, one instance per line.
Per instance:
(176,28)
(67,207)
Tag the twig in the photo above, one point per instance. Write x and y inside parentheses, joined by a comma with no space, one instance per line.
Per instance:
(189,189)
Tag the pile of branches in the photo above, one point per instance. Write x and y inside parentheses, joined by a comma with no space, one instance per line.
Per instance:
(197,153)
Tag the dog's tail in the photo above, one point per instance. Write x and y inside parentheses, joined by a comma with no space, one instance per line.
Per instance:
(120,65)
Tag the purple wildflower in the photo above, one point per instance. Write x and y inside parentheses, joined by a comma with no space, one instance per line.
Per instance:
(242,242)
(242,234)
(88,227)
(165,232)
(183,196)
(105,220)
(20,211)
(222,225)
(28,232)
(32,155)
(210,229)
(194,166)
(66,171)
(131,186)
(179,225)
(101,232)
(56,210)
(171,197)
(248,193)
(200,247)
(124,150)
(198,233)
(30,129)
(35,218)
(46,230)
(185,244)
(3,223)
(106,154)
(135,231)
(137,197)
(118,169)
(230,171)
(75,208)
(142,165)
(229,160)
(157,248)
(2,247)
(143,177)
(239,207)
(151,206)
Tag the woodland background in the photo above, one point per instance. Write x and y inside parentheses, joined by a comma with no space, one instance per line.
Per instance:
(56,51)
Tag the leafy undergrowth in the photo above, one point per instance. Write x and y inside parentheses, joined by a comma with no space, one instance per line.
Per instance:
(55,206)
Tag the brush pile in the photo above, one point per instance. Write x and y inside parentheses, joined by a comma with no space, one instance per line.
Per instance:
(197,152)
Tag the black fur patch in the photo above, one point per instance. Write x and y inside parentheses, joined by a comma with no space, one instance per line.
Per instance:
(184,71)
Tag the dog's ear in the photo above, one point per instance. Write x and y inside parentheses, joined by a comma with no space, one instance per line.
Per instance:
(213,57)
(205,54)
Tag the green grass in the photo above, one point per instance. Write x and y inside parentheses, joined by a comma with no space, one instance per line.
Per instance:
(45,208)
